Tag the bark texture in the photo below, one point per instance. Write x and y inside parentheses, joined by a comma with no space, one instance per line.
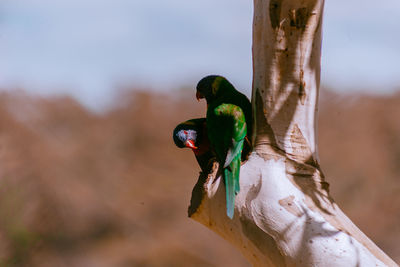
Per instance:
(284,215)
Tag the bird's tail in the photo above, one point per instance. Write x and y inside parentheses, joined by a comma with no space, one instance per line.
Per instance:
(232,187)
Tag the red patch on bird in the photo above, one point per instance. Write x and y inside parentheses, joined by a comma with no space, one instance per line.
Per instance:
(204,146)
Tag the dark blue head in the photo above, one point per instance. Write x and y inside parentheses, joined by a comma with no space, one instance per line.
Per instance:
(189,133)
(211,87)
(185,135)
(185,138)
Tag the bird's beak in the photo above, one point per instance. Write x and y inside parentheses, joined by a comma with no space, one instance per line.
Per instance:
(190,144)
(199,95)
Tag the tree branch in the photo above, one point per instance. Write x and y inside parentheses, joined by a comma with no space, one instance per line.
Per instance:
(284,215)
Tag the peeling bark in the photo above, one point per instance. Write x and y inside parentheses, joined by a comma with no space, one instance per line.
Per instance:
(284,215)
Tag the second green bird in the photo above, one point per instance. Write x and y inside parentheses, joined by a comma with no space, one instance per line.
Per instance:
(226,128)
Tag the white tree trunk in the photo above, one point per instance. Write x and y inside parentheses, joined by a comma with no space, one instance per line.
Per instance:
(284,215)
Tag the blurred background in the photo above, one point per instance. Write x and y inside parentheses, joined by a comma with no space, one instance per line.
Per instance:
(91,90)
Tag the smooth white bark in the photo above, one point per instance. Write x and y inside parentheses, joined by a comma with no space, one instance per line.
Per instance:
(284,215)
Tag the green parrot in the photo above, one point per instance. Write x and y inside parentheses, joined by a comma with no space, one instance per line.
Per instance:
(193,134)
(226,129)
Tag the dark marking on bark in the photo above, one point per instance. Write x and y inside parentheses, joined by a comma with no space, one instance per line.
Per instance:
(311,182)
(302,87)
(263,127)
(299,17)
(301,149)
(313,162)
(275,13)
(290,206)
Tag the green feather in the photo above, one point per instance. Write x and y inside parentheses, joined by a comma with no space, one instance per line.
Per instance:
(226,127)
(231,178)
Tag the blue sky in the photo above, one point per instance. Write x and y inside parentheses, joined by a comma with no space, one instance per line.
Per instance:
(88,48)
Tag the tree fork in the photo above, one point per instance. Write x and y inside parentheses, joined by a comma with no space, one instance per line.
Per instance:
(284,215)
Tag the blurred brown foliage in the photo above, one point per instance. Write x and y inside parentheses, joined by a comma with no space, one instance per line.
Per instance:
(111,189)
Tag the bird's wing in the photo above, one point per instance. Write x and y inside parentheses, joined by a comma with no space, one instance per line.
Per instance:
(226,126)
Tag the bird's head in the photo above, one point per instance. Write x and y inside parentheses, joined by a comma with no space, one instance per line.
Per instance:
(185,137)
(210,87)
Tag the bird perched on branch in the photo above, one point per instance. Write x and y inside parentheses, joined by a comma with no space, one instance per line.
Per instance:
(228,120)
(193,134)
